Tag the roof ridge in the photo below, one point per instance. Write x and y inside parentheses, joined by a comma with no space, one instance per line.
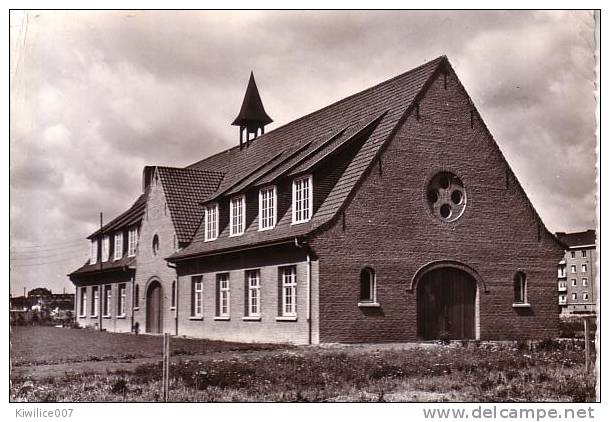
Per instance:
(349,97)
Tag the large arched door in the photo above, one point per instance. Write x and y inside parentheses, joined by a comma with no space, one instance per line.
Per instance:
(446,305)
(153,307)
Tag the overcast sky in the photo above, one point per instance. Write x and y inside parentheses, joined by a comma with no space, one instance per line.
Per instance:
(98,95)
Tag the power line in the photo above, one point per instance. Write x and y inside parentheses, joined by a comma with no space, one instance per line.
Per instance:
(47,244)
(43,256)
(45,251)
(42,263)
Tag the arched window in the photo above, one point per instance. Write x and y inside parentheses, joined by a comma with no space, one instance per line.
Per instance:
(155,244)
(520,287)
(368,288)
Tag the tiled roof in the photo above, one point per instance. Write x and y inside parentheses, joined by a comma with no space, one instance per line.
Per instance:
(109,265)
(577,238)
(318,134)
(130,217)
(184,190)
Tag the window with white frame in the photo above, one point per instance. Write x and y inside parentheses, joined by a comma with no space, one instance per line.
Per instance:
(237,214)
(585,296)
(105,247)
(211,222)
(572,268)
(107,299)
(118,246)
(585,281)
(267,207)
(197,296)
(573,282)
(288,279)
(95,295)
(132,240)
(574,296)
(253,285)
(93,252)
(573,254)
(520,288)
(584,253)
(584,268)
(302,199)
(223,295)
(121,305)
(562,284)
(367,285)
(561,271)
(83,301)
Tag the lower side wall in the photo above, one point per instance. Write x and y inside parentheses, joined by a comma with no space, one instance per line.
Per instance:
(272,326)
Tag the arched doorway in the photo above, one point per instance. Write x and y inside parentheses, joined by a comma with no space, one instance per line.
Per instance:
(446,305)
(153,307)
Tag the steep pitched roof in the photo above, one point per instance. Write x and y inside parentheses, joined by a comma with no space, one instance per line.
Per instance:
(578,238)
(184,190)
(129,218)
(316,135)
(252,110)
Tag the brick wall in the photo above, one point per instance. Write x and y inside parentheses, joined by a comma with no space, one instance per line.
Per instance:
(151,266)
(389,227)
(268,329)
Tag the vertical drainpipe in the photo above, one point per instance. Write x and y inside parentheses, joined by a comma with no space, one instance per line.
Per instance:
(170,265)
(133,301)
(309,328)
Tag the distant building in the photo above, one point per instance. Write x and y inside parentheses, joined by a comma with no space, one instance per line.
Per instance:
(577,273)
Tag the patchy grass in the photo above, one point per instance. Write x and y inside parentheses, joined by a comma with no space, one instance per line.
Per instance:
(550,371)
(40,345)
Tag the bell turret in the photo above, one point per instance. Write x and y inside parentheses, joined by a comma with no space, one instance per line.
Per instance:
(252,116)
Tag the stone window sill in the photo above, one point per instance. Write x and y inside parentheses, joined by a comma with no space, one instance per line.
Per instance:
(521,305)
(107,316)
(196,318)
(251,318)
(121,316)
(368,305)
(222,318)
(286,318)
(136,308)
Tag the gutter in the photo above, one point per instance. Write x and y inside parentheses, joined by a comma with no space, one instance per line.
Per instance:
(229,250)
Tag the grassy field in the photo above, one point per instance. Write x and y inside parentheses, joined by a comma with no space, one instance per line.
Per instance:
(469,371)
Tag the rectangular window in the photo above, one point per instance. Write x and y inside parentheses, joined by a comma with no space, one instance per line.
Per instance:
(574,296)
(118,246)
(132,240)
(107,299)
(223,295)
(573,254)
(583,253)
(93,252)
(585,282)
(561,271)
(288,291)
(105,247)
(253,296)
(573,282)
(238,215)
(573,268)
(302,201)
(211,222)
(83,301)
(122,300)
(173,302)
(267,207)
(584,268)
(95,294)
(562,284)
(196,296)
(585,296)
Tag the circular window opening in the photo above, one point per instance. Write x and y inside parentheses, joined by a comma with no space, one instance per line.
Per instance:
(446,196)
(155,244)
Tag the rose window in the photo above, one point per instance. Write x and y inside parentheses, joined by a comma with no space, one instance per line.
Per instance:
(446,196)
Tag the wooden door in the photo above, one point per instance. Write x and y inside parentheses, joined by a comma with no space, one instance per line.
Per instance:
(153,308)
(446,305)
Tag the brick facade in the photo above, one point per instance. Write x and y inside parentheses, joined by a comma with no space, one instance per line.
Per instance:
(389,227)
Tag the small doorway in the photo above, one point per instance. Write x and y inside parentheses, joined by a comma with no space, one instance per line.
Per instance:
(446,299)
(153,308)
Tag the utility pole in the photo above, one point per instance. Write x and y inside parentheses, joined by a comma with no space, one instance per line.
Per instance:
(99,287)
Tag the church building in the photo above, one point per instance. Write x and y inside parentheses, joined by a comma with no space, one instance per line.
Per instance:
(390,215)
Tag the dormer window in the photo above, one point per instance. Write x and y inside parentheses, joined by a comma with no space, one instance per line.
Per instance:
(93,253)
(267,208)
(237,215)
(211,222)
(105,247)
(132,240)
(302,199)
(118,246)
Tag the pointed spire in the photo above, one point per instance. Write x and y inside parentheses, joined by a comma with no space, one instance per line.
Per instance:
(252,110)
(252,115)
